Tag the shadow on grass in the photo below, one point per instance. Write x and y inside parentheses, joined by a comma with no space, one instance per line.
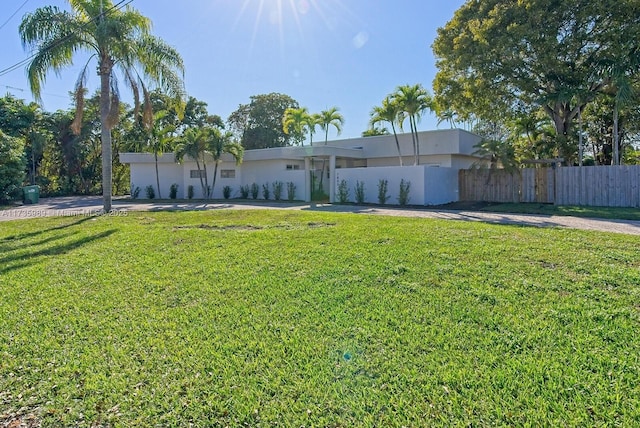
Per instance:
(31,253)
(14,238)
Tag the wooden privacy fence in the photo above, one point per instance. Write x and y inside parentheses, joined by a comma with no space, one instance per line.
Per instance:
(608,186)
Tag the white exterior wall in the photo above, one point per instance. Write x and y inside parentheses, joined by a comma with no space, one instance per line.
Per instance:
(270,171)
(220,182)
(440,186)
(429,185)
(143,175)
(393,174)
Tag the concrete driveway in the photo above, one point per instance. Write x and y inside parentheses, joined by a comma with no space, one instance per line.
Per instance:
(92,205)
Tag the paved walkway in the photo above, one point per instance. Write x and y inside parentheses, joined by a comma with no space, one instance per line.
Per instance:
(89,205)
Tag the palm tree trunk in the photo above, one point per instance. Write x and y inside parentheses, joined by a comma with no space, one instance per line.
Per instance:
(205,190)
(616,136)
(105,101)
(202,184)
(155,155)
(413,140)
(397,142)
(415,129)
(215,174)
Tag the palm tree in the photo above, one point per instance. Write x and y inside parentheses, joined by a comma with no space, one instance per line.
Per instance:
(219,143)
(413,101)
(118,39)
(328,118)
(299,120)
(194,144)
(161,138)
(389,112)
(620,84)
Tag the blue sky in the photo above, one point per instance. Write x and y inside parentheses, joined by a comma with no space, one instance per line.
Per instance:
(323,53)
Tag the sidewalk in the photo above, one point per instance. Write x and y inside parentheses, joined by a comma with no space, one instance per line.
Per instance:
(92,205)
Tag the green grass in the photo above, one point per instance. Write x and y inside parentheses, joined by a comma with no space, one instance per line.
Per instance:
(547,209)
(263,318)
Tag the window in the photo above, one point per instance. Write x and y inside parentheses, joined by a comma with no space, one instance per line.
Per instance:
(293,167)
(227,173)
(196,173)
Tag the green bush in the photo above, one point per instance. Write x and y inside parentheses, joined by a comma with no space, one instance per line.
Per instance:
(359,190)
(151,193)
(135,191)
(277,190)
(12,167)
(266,192)
(291,191)
(403,198)
(382,191)
(255,189)
(244,191)
(226,192)
(173,191)
(190,191)
(343,192)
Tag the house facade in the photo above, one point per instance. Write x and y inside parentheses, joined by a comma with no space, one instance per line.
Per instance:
(359,160)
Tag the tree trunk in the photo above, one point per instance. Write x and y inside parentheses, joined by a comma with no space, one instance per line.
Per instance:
(202,184)
(155,155)
(616,136)
(397,142)
(415,129)
(205,190)
(105,102)
(213,181)
(413,140)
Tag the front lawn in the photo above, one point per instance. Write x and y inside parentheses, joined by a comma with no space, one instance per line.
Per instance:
(263,318)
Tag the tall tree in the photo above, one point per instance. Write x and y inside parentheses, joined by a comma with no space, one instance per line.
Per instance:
(328,118)
(258,125)
(219,143)
(620,74)
(161,138)
(118,39)
(413,101)
(497,55)
(391,113)
(193,144)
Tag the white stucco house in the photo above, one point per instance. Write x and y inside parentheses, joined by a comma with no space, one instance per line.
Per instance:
(366,160)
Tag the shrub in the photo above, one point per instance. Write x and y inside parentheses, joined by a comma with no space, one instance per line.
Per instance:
(266,192)
(291,191)
(277,190)
(135,191)
(382,191)
(226,192)
(173,191)
(12,167)
(405,186)
(359,190)
(190,191)
(244,191)
(151,193)
(255,189)
(343,192)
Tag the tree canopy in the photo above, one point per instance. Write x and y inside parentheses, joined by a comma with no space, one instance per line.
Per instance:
(498,58)
(258,125)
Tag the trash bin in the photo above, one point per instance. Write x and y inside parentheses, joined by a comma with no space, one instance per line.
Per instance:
(31,194)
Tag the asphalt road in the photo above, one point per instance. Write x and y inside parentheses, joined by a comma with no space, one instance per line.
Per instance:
(92,205)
